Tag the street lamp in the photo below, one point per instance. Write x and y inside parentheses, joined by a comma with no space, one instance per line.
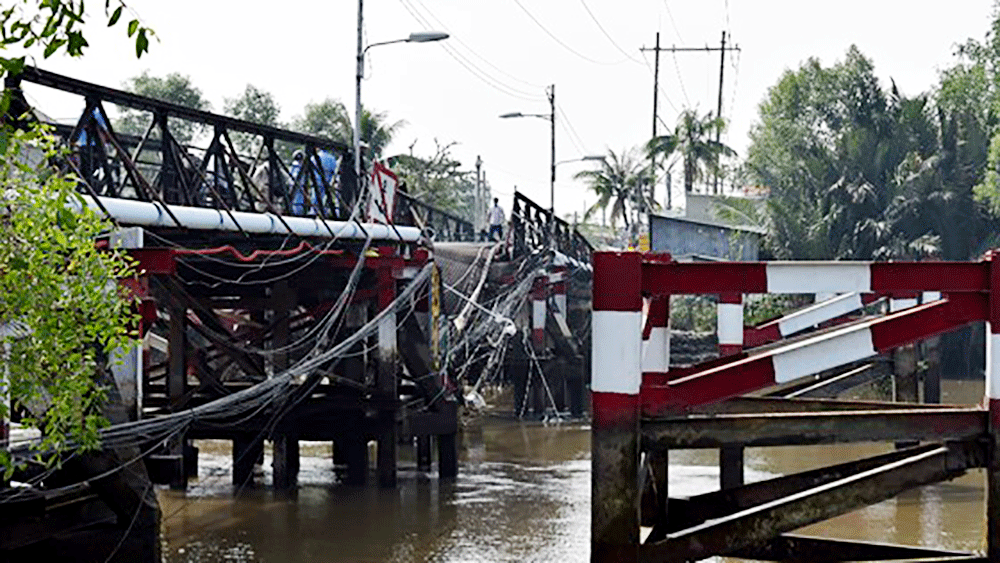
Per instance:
(416,37)
(551,117)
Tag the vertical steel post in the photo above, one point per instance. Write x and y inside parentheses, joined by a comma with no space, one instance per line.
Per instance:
(617,377)
(993,402)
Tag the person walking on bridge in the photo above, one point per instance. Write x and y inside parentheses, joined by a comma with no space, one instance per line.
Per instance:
(496,220)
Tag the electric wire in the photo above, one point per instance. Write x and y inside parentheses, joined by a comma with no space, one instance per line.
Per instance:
(473,51)
(470,66)
(560,42)
(606,34)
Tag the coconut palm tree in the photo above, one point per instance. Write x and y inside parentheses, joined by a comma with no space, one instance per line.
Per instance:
(331,118)
(693,140)
(619,180)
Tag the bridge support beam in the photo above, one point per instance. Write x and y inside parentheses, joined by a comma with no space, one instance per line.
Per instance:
(730,331)
(617,375)
(993,401)
(177,382)
(388,365)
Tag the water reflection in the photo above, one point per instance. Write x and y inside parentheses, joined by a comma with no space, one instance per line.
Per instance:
(523,494)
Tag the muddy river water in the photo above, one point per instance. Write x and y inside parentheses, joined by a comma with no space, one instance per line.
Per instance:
(523,494)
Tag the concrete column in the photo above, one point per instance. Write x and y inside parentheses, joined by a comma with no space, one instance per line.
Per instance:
(539,294)
(388,384)
(617,377)
(730,329)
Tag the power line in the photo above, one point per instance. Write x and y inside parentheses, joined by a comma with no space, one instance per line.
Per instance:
(606,34)
(571,131)
(473,51)
(470,66)
(662,92)
(680,80)
(559,41)
(673,23)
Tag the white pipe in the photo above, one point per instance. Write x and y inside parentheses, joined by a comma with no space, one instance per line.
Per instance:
(152,214)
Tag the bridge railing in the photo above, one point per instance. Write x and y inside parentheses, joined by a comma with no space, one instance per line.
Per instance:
(231,165)
(446,226)
(531,225)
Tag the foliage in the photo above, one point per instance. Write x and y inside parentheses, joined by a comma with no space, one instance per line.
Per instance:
(174,88)
(331,119)
(60,296)
(694,313)
(618,182)
(692,140)
(59,302)
(858,172)
(256,105)
(437,180)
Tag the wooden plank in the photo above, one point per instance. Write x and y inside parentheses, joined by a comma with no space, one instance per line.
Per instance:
(761,523)
(800,429)
(795,548)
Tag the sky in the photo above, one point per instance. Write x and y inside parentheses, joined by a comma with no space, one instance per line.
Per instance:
(502,54)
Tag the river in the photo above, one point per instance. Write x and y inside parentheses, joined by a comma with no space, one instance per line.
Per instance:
(523,494)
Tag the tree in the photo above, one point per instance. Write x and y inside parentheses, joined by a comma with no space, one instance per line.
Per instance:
(174,88)
(59,304)
(331,119)
(620,180)
(256,105)
(437,180)
(693,141)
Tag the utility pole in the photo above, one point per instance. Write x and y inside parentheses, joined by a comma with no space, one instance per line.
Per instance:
(477,202)
(652,155)
(718,111)
(706,49)
(552,180)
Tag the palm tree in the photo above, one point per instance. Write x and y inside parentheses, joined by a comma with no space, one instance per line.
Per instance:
(619,179)
(693,140)
(331,118)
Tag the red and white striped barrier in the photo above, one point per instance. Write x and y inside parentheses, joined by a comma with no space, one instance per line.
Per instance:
(656,336)
(539,294)
(616,367)
(730,324)
(557,278)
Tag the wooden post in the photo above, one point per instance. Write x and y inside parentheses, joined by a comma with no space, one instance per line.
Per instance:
(423,453)
(730,330)
(447,456)
(285,447)
(177,382)
(617,376)
(993,400)
(247,449)
(656,359)
(388,361)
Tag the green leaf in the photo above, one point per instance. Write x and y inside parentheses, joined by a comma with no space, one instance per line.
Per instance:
(141,43)
(53,47)
(114,16)
(76,43)
(132,27)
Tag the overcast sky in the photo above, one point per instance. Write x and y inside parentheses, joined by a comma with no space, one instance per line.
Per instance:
(503,53)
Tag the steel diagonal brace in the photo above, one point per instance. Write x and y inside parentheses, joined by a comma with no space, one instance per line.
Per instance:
(765,521)
(813,355)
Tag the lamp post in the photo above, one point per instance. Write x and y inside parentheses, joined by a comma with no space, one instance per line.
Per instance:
(551,117)
(416,37)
